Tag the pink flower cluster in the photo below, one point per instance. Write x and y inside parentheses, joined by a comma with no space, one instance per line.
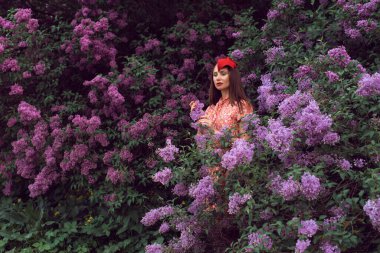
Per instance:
(28,113)
(167,153)
(163,176)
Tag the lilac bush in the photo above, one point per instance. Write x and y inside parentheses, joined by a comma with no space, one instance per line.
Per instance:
(91,116)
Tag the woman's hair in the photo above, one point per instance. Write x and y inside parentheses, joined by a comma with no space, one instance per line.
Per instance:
(236,91)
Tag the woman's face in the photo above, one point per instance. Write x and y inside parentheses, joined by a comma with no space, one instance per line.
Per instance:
(221,78)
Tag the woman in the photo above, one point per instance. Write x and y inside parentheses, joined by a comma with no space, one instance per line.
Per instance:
(228,105)
(228,102)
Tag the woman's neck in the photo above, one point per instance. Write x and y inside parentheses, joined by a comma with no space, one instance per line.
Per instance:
(225,93)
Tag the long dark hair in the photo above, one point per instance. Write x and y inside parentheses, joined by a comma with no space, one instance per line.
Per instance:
(236,90)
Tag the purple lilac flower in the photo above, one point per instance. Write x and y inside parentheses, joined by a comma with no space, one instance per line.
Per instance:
(203,190)
(310,186)
(163,176)
(369,85)
(151,217)
(240,153)
(197,112)
(360,163)
(151,44)
(289,189)
(11,122)
(116,98)
(274,53)
(259,239)
(16,89)
(312,123)
(308,228)
(32,25)
(331,138)
(180,189)
(39,68)
(340,56)
(273,14)
(23,15)
(302,245)
(279,137)
(236,201)
(236,35)
(28,112)
(201,140)
(115,176)
(292,104)
(10,64)
(43,181)
(352,33)
(270,93)
(164,228)
(304,84)
(237,54)
(332,76)
(367,25)
(303,71)
(344,164)
(167,153)
(327,247)
(372,209)
(154,248)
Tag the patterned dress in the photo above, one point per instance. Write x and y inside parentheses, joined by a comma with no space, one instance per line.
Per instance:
(224,115)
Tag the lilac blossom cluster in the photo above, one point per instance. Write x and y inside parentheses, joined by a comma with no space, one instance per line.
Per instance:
(372,209)
(92,34)
(202,192)
(310,186)
(154,248)
(308,228)
(28,113)
(279,137)
(167,153)
(87,125)
(359,20)
(197,112)
(369,85)
(236,201)
(273,54)
(115,176)
(327,247)
(289,189)
(314,126)
(270,93)
(190,229)
(163,176)
(237,54)
(259,240)
(16,89)
(240,153)
(150,45)
(339,56)
(154,215)
(302,245)
(180,189)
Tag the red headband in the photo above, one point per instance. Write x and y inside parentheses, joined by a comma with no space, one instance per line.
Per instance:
(226,62)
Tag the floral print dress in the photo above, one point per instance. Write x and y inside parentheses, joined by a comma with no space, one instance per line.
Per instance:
(224,115)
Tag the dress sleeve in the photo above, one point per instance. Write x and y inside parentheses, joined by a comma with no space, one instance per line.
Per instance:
(247,109)
(209,113)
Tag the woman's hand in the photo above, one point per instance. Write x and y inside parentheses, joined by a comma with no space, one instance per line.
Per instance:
(193,104)
(204,121)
